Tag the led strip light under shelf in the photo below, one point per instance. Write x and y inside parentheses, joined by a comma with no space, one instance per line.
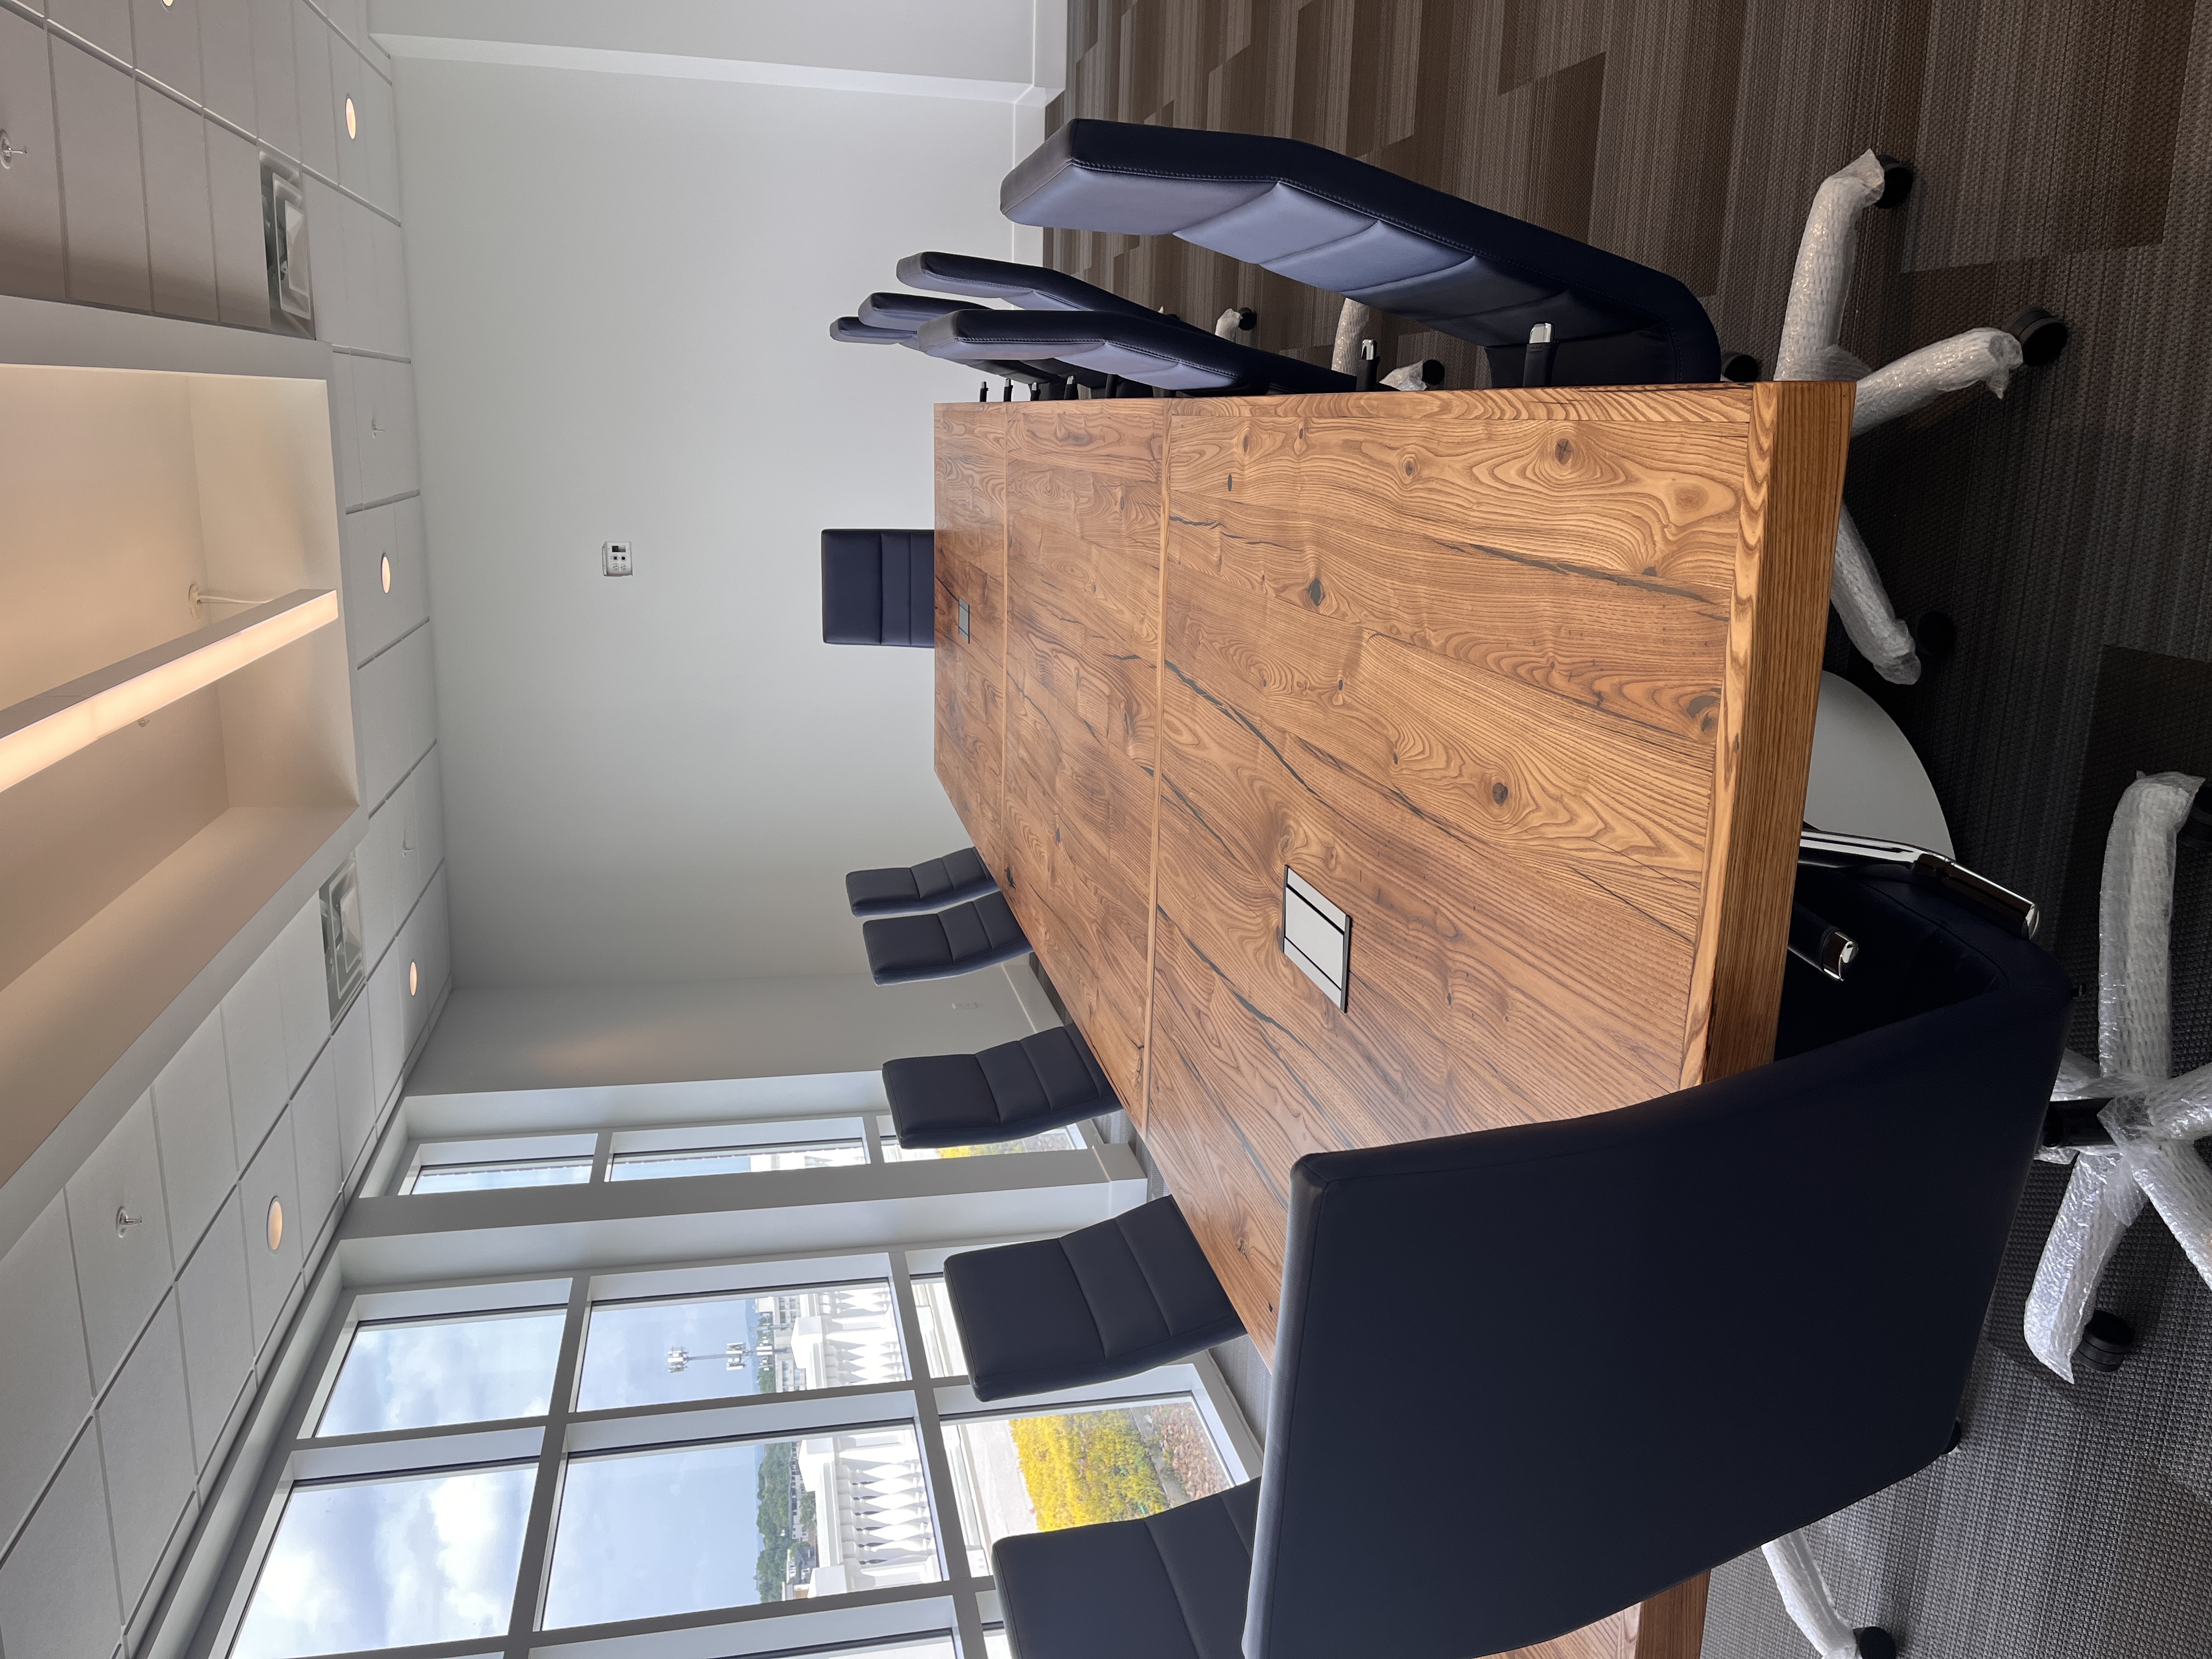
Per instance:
(51,727)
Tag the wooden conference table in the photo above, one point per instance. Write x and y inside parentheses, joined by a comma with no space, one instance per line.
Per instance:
(1522,681)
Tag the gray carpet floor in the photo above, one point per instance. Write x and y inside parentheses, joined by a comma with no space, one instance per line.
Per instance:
(2064,154)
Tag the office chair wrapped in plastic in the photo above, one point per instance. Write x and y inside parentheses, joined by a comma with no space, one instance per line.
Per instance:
(2150,1121)
(1810,328)
(1642,1342)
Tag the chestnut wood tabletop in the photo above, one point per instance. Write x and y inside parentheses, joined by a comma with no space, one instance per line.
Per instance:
(1521,681)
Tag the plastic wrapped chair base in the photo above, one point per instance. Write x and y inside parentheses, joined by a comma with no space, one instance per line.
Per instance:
(1809,351)
(2152,1120)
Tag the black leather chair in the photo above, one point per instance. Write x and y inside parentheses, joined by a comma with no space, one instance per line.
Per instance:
(1324,219)
(880,587)
(1168,1586)
(930,885)
(1637,1344)
(892,319)
(952,941)
(1153,350)
(1109,1300)
(1036,1082)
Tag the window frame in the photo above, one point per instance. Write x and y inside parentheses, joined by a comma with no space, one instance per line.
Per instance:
(960,1605)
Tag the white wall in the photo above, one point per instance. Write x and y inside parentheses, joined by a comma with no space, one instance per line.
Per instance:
(622,288)
(504,1039)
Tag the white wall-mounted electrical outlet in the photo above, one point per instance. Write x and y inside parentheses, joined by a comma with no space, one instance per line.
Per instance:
(614,558)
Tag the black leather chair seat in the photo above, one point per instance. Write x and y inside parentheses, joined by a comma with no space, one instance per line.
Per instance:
(1166,1586)
(1326,220)
(880,587)
(957,940)
(1036,1082)
(1027,288)
(1109,1300)
(1149,350)
(930,885)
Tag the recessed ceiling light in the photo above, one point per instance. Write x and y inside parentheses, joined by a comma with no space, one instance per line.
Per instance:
(275,1223)
(414,979)
(353,125)
(385,564)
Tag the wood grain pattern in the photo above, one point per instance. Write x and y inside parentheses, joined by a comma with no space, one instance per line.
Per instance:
(1523,681)
(1085,487)
(970,559)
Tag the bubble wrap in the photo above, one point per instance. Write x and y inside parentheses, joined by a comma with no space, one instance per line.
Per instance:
(1352,324)
(1805,1595)
(1814,316)
(1863,603)
(1980,356)
(2101,1203)
(1406,378)
(2134,915)
(2135,919)
(2170,1175)
(2181,1109)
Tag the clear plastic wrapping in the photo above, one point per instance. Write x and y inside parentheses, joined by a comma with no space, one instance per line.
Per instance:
(2101,1203)
(1353,324)
(2181,1109)
(1980,356)
(2170,1175)
(2135,919)
(1805,1597)
(1823,277)
(1863,603)
(2135,984)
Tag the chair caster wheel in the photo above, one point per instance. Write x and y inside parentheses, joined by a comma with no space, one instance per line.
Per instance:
(2042,336)
(1896,179)
(1876,1643)
(1247,318)
(1934,636)
(1739,366)
(2106,1341)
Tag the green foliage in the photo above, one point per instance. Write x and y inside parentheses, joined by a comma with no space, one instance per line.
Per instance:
(772,1568)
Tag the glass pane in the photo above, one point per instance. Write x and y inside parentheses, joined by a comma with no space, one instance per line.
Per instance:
(734,1160)
(940,1337)
(737,1523)
(379,1564)
(484,1177)
(422,1373)
(709,1347)
(995,1644)
(1101,1464)
(1052,1140)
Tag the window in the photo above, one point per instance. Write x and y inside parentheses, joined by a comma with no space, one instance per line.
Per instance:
(675,1150)
(614,1458)
(512,1172)
(1052,1140)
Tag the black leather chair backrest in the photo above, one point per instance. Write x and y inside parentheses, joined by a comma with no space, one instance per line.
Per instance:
(880,587)
(1106,1301)
(1527,1378)
(1165,1586)
(1148,349)
(944,943)
(1043,1081)
(909,889)
(1028,288)
(1326,220)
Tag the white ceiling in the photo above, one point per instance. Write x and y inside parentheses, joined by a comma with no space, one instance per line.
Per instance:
(621,289)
